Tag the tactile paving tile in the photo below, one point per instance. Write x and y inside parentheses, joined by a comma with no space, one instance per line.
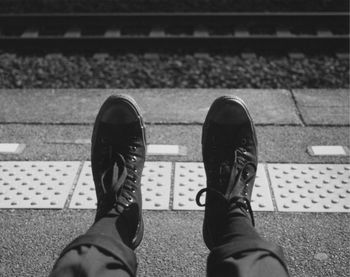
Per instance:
(84,195)
(190,178)
(155,186)
(311,187)
(36,185)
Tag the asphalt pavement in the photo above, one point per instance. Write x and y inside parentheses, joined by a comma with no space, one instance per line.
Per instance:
(50,121)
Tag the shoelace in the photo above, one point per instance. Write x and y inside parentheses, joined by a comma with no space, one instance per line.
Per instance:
(123,182)
(240,165)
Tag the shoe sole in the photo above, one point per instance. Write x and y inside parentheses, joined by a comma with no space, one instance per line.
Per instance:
(132,103)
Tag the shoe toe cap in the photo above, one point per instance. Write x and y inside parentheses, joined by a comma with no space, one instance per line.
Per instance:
(230,112)
(119,113)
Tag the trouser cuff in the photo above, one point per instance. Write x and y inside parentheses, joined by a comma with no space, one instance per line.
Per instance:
(118,249)
(231,249)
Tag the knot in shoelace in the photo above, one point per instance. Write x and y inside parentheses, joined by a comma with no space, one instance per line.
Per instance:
(238,176)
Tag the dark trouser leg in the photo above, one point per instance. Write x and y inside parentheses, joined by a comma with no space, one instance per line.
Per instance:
(89,261)
(100,252)
(245,253)
(252,263)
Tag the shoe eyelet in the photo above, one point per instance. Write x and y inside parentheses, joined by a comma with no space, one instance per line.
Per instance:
(133,148)
(133,159)
(244,141)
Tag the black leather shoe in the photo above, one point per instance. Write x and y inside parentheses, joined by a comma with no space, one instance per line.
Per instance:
(118,151)
(229,148)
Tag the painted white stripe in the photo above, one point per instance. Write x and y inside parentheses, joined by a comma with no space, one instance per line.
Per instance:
(11,148)
(152,149)
(164,149)
(67,141)
(328,150)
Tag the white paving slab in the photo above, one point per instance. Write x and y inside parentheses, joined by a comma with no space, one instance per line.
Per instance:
(11,148)
(166,150)
(311,187)
(36,185)
(155,185)
(328,150)
(190,178)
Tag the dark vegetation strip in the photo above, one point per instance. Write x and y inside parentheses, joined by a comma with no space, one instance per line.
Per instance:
(93,6)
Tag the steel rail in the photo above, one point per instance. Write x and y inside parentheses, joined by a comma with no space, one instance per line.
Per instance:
(272,32)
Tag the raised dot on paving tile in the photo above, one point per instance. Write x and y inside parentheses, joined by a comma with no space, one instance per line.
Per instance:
(24,186)
(319,188)
(335,201)
(155,186)
(190,178)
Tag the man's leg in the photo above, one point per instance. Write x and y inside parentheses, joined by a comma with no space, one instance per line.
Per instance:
(88,260)
(118,149)
(246,254)
(230,158)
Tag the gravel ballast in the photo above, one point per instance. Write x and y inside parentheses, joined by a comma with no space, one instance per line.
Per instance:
(171,71)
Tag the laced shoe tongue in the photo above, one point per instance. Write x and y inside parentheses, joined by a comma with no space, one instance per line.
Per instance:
(225,174)
(239,173)
(115,176)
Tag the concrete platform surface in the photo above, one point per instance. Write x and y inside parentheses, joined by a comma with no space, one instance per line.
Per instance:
(159,106)
(324,107)
(276,143)
(316,244)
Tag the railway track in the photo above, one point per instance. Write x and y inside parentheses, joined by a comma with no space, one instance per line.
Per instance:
(195,32)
